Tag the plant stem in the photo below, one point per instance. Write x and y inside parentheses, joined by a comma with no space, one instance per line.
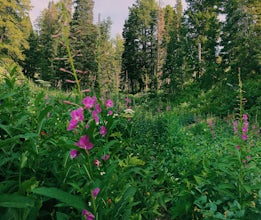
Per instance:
(67,43)
(240,95)
(65,37)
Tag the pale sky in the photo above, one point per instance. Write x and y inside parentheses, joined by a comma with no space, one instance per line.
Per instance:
(116,9)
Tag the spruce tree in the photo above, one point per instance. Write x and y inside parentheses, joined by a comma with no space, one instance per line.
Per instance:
(48,26)
(241,48)
(15,28)
(139,60)
(30,64)
(204,32)
(84,43)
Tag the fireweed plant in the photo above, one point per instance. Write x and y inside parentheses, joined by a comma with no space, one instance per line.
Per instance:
(91,123)
(248,159)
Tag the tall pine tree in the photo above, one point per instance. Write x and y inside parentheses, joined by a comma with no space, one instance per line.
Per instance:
(84,43)
(241,48)
(139,60)
(203,35)
(15,28)
(48,26)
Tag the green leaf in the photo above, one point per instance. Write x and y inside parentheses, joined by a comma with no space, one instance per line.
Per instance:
(200,181)
(39,98)
(6,129)
(201,201)
(12,140)
(61,216)
(15,201)
(247,188)
(67,198)
(126,198)
(13,71)
(135,161)
(43,113)
(28,185)
(24,159)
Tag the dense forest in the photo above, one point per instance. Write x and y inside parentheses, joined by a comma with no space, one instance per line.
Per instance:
(198,51)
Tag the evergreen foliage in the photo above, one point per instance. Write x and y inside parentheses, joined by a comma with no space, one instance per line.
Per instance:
(164,49)
(84,43)
(15,28)
(140,47)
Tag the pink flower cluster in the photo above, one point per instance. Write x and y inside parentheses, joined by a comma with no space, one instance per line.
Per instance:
(87,215)
(93,108)
(77,116)
(245,127)
(104,158)
(235,126)
(245,161)
(95,192)
(127,102)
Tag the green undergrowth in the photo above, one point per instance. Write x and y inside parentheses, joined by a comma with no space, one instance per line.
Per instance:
(166,162)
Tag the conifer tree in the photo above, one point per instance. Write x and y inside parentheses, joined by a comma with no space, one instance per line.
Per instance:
(30,64)
(48,26)
(105,57)
(174,72)
(204,32)
(241,48)
(139,64)
(15,28)
(84,43)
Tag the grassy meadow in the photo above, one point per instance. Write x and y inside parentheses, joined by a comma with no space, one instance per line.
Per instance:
(80,156)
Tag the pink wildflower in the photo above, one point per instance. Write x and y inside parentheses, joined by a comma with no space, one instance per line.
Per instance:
(89,102)
(235,127)
(110,112)
(109,103)
(87,215)
(72,125)
(74,153)
(245,128)
(95,192)
(245,117)
(238,147)
(97,162)
(76,116)
(84,143)
(95,117)
(244,137)
(127,102)
(106,157)
(103,131)
(98,109)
